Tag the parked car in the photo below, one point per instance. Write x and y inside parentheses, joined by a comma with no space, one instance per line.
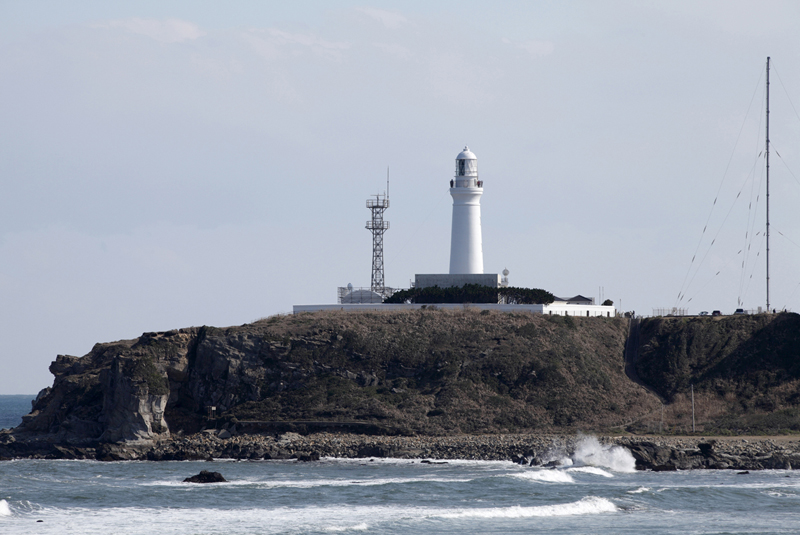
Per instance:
(716,313)
(740,311)
(704,313)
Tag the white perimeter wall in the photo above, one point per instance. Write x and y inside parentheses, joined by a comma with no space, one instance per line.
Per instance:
(555,309)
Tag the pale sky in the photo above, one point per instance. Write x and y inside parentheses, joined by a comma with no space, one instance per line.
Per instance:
(175,164)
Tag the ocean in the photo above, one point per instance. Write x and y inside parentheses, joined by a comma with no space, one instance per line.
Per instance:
(13,408)
(595,490)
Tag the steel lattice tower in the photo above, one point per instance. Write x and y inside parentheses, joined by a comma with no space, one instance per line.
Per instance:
(378,226)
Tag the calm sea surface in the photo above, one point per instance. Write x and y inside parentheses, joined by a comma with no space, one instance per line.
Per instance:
(593,492)
(12,408)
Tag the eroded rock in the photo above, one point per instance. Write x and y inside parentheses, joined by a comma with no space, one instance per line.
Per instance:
(206,477)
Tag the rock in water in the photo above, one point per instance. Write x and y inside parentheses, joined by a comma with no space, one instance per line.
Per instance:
(664,468)
(206,477)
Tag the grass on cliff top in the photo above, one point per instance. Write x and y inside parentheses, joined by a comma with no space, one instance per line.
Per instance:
(439,371)
(745,371)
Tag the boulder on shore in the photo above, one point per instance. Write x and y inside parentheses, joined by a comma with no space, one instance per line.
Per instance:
(206,477)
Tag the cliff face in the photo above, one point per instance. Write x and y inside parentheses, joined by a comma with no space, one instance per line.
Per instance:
(426,372)
(745,370)
(118,392)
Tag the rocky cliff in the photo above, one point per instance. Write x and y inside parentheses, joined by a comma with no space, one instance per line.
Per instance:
(428,372)
(417,373)
(744,371)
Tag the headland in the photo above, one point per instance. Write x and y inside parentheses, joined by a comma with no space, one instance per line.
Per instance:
(429,383)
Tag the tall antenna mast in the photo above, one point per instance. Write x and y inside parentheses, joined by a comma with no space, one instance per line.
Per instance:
(767,151)
(378,226)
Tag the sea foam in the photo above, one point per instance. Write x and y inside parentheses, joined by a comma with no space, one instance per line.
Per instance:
(339,529)
(590,470)
(585,506)
(590,452)
(547,476)
(5,510)
(300,483)
(268,521)
(307,483)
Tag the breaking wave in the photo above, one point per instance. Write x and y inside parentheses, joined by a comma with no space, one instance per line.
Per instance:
(590,452)
(5,510)
(548,476)
(585,506)
(590,470)
(312,483)
(330,519)
(338,529)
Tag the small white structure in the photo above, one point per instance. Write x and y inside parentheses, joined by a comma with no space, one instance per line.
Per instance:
(361,295)
(466,247)
(553,309)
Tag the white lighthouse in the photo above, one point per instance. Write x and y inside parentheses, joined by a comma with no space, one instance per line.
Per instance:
(466,244)
(466,249)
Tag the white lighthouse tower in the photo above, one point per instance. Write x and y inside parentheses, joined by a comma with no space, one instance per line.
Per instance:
(466,249)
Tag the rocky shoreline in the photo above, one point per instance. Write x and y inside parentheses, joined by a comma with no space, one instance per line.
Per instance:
(650,452)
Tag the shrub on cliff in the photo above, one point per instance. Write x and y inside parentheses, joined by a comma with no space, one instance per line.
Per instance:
(746,366)
(472,293)
(144,369)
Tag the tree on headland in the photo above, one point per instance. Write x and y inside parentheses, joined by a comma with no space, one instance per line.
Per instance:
(473,293)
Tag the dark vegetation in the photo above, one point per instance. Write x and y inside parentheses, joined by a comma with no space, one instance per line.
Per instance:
(437,372)
(427,371)
(473,293)
(144,369)
(745,368)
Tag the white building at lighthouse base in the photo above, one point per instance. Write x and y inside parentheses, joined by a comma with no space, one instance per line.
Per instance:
(557,308)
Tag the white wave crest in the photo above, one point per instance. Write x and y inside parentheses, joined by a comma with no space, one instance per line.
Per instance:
(590,470)
(5,510)
(334,518)
(639,490)
(548,476)
(590,452)
(339,529)
(310,483)
(778,494)
(585,506)
(441,463)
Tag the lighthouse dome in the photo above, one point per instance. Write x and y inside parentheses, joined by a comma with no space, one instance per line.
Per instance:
(466,154)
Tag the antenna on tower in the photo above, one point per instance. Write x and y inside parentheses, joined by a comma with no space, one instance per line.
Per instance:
(378,226)
(767,150)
